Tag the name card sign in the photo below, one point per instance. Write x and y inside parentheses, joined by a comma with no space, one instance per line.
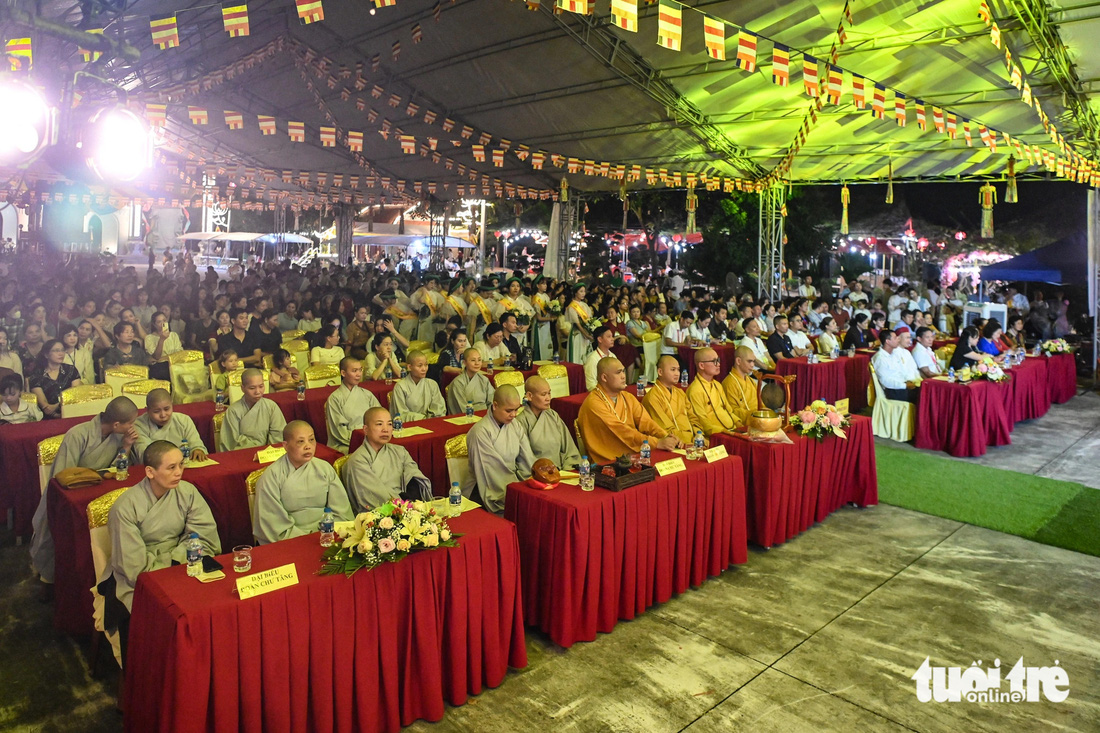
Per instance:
(671,466)
(257,584)
(842,406)
(411,431)
(716,453)
(270,454)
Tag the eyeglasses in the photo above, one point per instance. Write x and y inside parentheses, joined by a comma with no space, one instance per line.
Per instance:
(711,361)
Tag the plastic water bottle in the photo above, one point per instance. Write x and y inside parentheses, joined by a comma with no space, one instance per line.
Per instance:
(398,423)
(301,390)
(185,449)
(699,445)
(328,522)
(122,466)
(836,352)
(454,499)
(951,374)
(404,372)
(557,358)
(490,366)
(219,401)
(585,471)
(645,455)
(469,408)
(684,378)
(194,555)
(641,388)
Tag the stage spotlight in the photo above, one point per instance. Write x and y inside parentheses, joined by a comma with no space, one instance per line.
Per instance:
(27,123)
(117,144)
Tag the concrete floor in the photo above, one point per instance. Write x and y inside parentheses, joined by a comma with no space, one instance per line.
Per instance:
(820,634)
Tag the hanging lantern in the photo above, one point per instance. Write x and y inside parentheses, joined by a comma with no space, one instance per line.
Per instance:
(890,183)
(987,197)
(845,197)
(1011,195)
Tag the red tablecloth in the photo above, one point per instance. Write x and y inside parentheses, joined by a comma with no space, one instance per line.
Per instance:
(569,407)
(20,489)
(822,381)
(857,375)
(222,486)
(593,558)
(428,451)
(726,353)
(791,486)
(369,653)
(574,372)
(962,419)
(1030,391)
(1062,377)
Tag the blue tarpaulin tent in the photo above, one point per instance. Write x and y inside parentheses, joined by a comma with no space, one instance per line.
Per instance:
(1064,262)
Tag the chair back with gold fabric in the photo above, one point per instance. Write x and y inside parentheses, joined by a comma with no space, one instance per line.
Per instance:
(47,452)
(292,335)
(85,400)
(268,362)
(579,437)
(339,466)
(98,511)
(117,376)
(29,397)
(513,378)
(944,355)
(189,376)
(423,347)
(234,384)
(322,375)
(138,390)
(892,419)
(458,462)
(250,486)
(433,358)
(651,352)
(298,345)
(218,419)
(558,377)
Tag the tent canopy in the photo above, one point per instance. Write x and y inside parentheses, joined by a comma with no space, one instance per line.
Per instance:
(1063,262)
(405,240)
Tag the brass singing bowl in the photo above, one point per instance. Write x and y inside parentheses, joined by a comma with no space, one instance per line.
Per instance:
(765,421)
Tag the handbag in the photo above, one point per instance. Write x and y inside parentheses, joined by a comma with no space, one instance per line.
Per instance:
(78,478)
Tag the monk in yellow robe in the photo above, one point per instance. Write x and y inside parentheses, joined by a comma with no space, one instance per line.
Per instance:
(706,399)
(666,403)
(740,387)
(612,421)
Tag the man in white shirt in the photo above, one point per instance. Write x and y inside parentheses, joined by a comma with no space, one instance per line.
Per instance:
(923,355)
(797,333)
(1014,300)
(807,289)
(759,349)
(603,340)
(820,310)
(857,295)
(895,369)
(676,334)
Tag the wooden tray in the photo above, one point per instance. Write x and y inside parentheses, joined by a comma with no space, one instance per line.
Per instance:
(618,483)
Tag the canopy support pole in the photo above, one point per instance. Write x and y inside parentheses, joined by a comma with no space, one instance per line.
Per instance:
(769,248)
(345,227)
(1093,284)
(481,242)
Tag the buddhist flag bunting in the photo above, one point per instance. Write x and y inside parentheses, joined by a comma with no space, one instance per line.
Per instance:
(848,14)
(233,120)
(781,65)
(966,132)
(624,14)
(951,126)
(385,3)
(395,50)
(417,33)
(937,119)
(746,51)
(165,34)
(18,51)
(90,56)
(408,144)
(983,12)
(581,7)
(1016,77)
(983,133)
(328,137)
(310,11)
(922,122)
(878,102)
(498,158)
(267,124)
(198,115)
(479,153)
(809,75)
(669,24)
(836,83)
(714,36)
(296,131)
(900,113)
(235,19)
(1025,93)
(355,141)
(157,114)
(995,34)
(859,91)
(537,159)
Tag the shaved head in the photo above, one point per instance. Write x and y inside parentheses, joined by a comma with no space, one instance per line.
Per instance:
(120,409)
(156,397)
(666,361)
(702,355)
(293,427)
(607,365)
(535,383)
(506,395)
(374,412)
(250,374)
(744,352)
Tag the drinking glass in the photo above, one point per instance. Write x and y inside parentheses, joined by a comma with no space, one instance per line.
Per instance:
(242,558)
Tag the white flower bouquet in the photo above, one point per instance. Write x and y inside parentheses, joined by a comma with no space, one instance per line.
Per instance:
(387,533)
(820,419)
(1056,346)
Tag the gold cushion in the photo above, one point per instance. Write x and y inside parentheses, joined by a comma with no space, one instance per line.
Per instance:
(456,447)
(131,371)
(219,418)
(433,358)
(422,346)
(321,372)
(553,371)
(185,357)
(292,335)
(29,397)
(99,509)
(296,345)
(145,386)
(47,450)
(513,378)
(651,336)
(86,393)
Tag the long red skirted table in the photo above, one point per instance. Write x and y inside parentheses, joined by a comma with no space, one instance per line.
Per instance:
(428,451)
(825,380)
(962,419)
(223,487)
(19,443)
(1062,377)
(793,485)
(593,558)
(725,353)
(574,372)
(857,375)
(371,653)
(1030,392)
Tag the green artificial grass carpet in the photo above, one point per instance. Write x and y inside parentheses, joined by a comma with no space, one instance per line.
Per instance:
(1058,513)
